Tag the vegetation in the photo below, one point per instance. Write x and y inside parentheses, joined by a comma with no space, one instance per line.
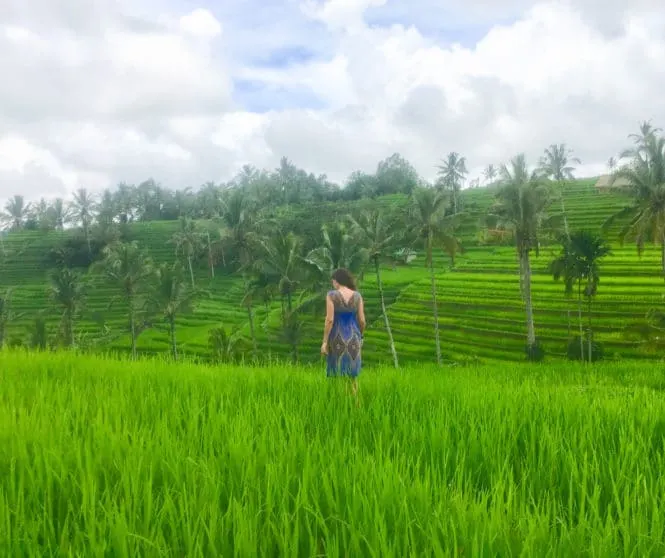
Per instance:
(438,264)
(132,459)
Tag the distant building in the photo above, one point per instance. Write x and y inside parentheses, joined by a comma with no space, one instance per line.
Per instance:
(603,182)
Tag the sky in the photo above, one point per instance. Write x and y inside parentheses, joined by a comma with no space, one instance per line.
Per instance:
(97,92)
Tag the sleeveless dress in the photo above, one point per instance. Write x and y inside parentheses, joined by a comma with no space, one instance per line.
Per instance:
(345,339)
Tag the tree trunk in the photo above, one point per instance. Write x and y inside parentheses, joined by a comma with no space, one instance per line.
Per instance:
(565,218)
(86,231)
(437,341)
(520,272)
(567,233)
(69,324)
(662,253)
(393,350)
(132,331)
(589,327)
(210,262)
(250,316)
(174,344)
(191,271)
(579,318)
(530,326)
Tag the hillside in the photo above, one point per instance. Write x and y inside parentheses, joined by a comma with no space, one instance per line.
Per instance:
(481,314)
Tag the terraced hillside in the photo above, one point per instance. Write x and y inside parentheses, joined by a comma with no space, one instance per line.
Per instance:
(480,310)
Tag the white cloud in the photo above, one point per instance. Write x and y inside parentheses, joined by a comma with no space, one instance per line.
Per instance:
(103,94)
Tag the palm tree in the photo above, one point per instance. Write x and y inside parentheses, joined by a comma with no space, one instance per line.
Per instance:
(280,259)
(43,217)
(431,226)
(646,215)
(521,204)
(107,209)
(16,212)
(451,176)
(238,226)
(60,213)
(338,249)
(611,164)
(490,173)
(641,141)
(129,268)
(82,208)
(172,296)
(125,202)
(376,236)
(188,242)
(555,165)
(578,262)
(224,345)
(67,291)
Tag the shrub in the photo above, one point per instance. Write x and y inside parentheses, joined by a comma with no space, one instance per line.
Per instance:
(535,352)
(573,349)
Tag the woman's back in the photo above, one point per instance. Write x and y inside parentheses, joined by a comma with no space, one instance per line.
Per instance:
(346,305)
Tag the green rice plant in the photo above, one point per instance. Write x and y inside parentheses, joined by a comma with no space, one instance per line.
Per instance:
(103,457)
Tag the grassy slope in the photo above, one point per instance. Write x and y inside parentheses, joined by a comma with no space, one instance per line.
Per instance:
(481,312)
(104,458)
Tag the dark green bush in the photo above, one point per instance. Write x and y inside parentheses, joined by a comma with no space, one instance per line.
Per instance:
(535,352)
(573,349)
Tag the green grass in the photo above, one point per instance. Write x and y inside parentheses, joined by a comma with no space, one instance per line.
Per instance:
(109,458)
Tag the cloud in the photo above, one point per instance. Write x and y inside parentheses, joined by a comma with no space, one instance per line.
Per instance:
(99,92)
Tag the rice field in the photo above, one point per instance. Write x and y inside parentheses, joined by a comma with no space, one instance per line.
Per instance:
(102,457)
(480,309)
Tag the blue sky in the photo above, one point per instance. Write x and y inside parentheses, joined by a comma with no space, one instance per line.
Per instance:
(275,34)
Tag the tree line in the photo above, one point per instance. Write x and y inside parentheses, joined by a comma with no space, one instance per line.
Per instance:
(280,267)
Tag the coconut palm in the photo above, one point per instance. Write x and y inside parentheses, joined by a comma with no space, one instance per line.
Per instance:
(188,243)
(521,205)
(376,235)
(490,173)
(279,257)
(646,215)
(42,215)
(82,208)
(338,248)
(238,226)
(130,269)
(59,213)
(107,210)
(432,228)
(67,290)
(171,297)
(578,264)
(16,212)
(555,165)
(452,173)
(641,141)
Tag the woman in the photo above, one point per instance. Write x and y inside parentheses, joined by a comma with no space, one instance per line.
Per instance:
(344,327)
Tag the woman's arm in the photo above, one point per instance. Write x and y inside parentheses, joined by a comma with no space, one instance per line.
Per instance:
(330,317)
(361,315)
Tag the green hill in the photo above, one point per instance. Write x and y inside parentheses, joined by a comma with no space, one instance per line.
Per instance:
(481,313)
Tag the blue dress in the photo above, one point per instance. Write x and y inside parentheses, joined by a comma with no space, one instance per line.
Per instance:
(345,339)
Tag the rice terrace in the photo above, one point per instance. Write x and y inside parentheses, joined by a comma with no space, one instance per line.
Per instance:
(163,390)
